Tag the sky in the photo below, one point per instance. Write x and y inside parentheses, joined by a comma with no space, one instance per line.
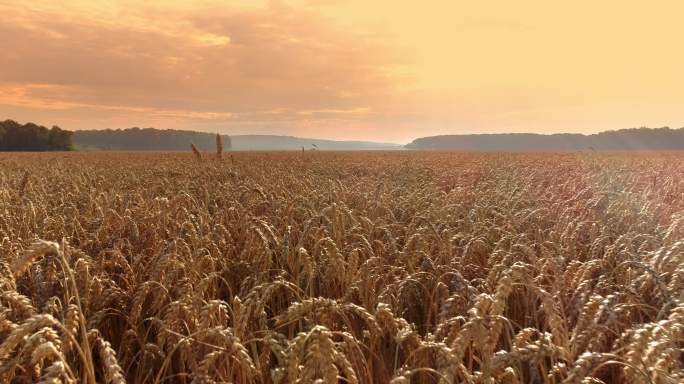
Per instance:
(376,70)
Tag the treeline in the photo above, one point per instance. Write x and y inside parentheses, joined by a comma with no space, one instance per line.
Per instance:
(33,137)
(147,139)
(136,139)
(623,139)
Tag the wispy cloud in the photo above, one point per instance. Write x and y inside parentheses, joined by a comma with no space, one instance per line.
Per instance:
(204,64)
(382,69)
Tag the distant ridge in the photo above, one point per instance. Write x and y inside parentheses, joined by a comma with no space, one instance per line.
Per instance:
(152,139)
(623,139)
(275,142)
(145,139)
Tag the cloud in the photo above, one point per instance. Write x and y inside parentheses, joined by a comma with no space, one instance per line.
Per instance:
(385,70)
(237,64)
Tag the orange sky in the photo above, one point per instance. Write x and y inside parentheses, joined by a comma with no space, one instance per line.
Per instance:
(344,69)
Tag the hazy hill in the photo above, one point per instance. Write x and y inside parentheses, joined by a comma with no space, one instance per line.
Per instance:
(146,139)
(624,139)
(151,139)
(272,142)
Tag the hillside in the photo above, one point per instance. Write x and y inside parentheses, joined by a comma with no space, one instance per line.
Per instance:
(273,142)
(146,139)
(624,139)
(151,139)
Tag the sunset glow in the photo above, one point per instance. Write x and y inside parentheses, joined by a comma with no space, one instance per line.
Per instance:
(365,70)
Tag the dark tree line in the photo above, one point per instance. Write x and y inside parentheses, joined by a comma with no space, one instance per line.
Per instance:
(623,139)
(147,139)
(33,137)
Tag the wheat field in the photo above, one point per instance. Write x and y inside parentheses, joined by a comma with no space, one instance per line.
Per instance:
(368,267)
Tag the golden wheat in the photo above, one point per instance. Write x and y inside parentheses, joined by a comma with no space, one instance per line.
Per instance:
(368,267)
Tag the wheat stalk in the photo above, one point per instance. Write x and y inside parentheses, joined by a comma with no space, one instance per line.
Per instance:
(219,147)
(196,152)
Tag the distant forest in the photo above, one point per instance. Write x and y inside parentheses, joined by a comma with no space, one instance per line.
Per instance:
(32,137)
(624,139)
(147,139)
(137,139)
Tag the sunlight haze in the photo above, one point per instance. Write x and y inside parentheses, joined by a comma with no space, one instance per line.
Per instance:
(379,70)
